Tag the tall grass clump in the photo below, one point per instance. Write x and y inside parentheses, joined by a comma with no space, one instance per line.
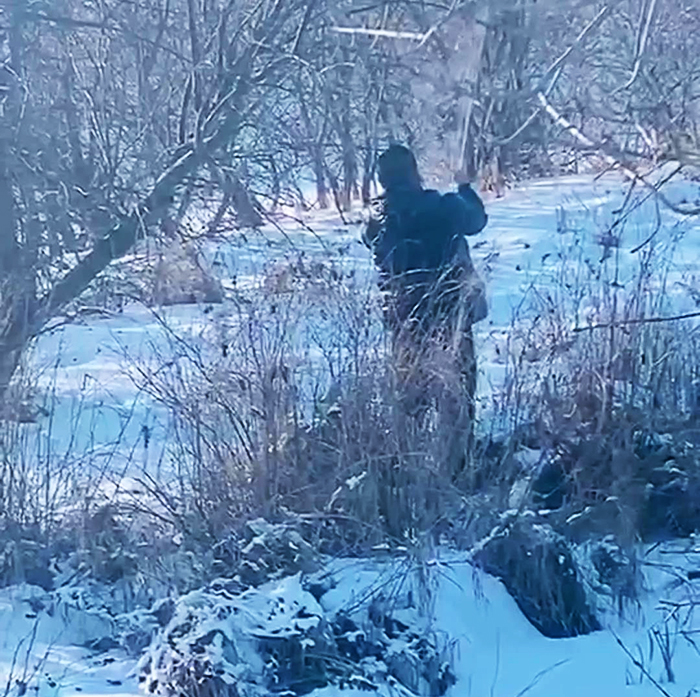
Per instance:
(285,402)
(601,355)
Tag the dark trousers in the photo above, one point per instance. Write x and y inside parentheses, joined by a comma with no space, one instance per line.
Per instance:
(435,366)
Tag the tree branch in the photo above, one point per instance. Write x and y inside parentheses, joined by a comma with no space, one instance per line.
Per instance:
(637,320)
(641,46)
(555,70)
(117,243)
(613,161)
(385,33)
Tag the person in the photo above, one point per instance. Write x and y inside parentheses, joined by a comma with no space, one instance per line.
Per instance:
(433,294)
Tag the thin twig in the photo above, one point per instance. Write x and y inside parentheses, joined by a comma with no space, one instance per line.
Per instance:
(638,320)
(639,665)
(582,35)
(539,677)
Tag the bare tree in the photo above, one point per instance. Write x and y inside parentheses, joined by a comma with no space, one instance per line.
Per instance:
(111,114)
(626,89)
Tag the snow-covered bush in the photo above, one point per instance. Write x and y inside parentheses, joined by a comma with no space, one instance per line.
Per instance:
(282,639)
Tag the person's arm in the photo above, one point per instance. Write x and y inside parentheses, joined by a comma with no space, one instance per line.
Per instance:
(373,226)
(473,216)
(465,211)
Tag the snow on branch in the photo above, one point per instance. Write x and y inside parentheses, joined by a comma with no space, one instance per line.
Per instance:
(385,33)
(613,161)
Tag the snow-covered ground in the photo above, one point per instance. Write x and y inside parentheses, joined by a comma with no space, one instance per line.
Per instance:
(493,649)
(498,652)
(42,647)
(98,417)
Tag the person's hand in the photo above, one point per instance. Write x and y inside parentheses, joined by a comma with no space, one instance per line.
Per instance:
(464,175)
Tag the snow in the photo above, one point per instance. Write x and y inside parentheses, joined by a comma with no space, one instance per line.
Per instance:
(88,372)
(498,652)
(42,646)
(494,649)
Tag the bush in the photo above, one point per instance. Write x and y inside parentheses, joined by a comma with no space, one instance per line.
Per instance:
(288,402)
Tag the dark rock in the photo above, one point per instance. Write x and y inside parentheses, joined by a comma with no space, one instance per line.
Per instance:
(40,575)
(163,611)
(537,567)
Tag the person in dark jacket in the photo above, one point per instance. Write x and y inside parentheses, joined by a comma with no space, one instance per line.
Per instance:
(433,294)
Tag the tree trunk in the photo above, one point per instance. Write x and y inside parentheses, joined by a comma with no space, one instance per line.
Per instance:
(335,188)
(247,211)
(25,317)
(320,177)
(276,186)
(9,248)
(15,284)
(473,50)
(14,336)
(368,173)
(350,189)
(9,362)
(216,221)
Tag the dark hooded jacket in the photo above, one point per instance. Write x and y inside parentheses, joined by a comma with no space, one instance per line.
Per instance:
(416,235)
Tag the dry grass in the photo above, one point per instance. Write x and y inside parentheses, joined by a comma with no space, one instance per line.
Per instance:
(290,404)
(588,375)
(160,273)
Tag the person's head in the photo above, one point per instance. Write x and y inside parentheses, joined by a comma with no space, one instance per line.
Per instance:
(397,168)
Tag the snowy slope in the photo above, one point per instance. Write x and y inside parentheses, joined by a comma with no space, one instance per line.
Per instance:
(498,652)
